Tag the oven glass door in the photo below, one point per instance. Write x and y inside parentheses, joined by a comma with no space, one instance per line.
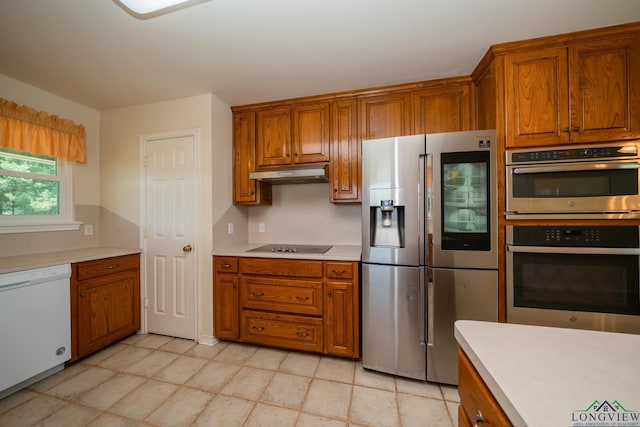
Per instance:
(550,182)
(579,282)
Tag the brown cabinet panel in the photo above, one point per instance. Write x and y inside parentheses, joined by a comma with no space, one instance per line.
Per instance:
(106,304)
(475,398)
(537,99)
(339,319)
(386,115)
(339,270)
(273,143)
(446,109)
(245,190)
(226,323)
(605,90)
(281,330)
(286,295)
(346,162)
(224,264)
(311,133)
(280,267)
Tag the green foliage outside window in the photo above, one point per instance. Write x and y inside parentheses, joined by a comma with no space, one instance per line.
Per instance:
(28,184)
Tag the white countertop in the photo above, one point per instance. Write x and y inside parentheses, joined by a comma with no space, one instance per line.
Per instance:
(26,262)
(543,376)
(337,252)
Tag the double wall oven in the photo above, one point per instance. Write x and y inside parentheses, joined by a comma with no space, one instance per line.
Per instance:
(578,271)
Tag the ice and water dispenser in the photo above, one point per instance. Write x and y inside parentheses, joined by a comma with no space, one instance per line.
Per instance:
(387,218)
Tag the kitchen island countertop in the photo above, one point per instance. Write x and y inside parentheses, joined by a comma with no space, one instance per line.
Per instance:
(46,259)
(543,376)
(337,252)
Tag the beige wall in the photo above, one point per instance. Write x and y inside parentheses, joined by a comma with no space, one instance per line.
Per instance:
(302,213)
(86,177)
(122,130)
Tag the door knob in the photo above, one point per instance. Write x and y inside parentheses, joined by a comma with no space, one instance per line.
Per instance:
(187,248)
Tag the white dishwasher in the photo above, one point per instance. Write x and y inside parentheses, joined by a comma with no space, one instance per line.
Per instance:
(35,325)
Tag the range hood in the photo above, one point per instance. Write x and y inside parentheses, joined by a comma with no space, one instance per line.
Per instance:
(293,176)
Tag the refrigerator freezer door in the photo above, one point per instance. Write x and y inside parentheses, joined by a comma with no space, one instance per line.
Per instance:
(455,295)
(393,318)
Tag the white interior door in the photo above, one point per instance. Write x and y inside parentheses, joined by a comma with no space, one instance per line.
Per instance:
(170,235)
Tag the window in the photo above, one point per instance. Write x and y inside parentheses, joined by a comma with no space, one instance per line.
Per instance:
(35,193)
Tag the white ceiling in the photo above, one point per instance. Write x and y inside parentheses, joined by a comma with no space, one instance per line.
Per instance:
(247,51)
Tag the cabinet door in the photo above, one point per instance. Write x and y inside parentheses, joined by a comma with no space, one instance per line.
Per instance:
(386,115)
(226,323)
(108,309)
(245,190)
(339,325)
(605,90)
(346,162)
(537,98)
(446,109)
(274,137)
(311,133)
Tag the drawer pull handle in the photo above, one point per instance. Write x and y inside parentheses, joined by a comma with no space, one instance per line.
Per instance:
(258,328)
(302,334)
(112,266)
(299,298)
(329,293)
(479,418)
(225,265)
(83,294)
(257,294)
(338,271)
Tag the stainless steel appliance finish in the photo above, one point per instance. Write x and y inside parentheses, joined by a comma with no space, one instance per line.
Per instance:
(300,175)
(582,277)
(393,303)
(410,297)
(294,249)
(585,181)
(462,273)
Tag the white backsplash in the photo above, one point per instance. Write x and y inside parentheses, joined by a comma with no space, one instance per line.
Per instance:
(302,213)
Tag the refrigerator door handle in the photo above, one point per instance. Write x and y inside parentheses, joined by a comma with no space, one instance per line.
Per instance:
(430,306)
(421,309)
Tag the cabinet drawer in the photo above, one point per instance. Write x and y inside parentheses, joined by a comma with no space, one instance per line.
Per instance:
(291,296)
(225,264)
(281,267)
(281,330)
(102,267)
(339,270)
(475,397)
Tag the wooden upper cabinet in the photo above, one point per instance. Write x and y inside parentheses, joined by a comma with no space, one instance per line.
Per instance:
(245,190)
(537,98)
(311,133)
(273,143)
(446,109)
(604,82)
(345,166)
(588,92)
(386,115)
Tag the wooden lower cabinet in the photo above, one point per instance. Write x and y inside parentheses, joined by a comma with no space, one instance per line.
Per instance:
(308,305)
(477,404)
(105,303)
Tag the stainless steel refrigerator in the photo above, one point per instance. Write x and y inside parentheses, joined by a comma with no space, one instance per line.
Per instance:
(429,234)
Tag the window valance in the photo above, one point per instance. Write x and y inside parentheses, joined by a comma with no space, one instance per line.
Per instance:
(25,129)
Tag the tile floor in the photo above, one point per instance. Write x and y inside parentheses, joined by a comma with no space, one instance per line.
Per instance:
(153,380)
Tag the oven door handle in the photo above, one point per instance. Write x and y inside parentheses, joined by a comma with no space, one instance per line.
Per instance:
(573,250)
(580,167)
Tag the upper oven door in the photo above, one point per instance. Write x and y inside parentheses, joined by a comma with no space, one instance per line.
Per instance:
(599,187)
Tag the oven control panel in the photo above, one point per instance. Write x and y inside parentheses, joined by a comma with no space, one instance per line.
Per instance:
(594,152)
(576,236)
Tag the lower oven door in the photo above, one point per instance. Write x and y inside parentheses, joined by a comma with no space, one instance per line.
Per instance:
(583,288)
